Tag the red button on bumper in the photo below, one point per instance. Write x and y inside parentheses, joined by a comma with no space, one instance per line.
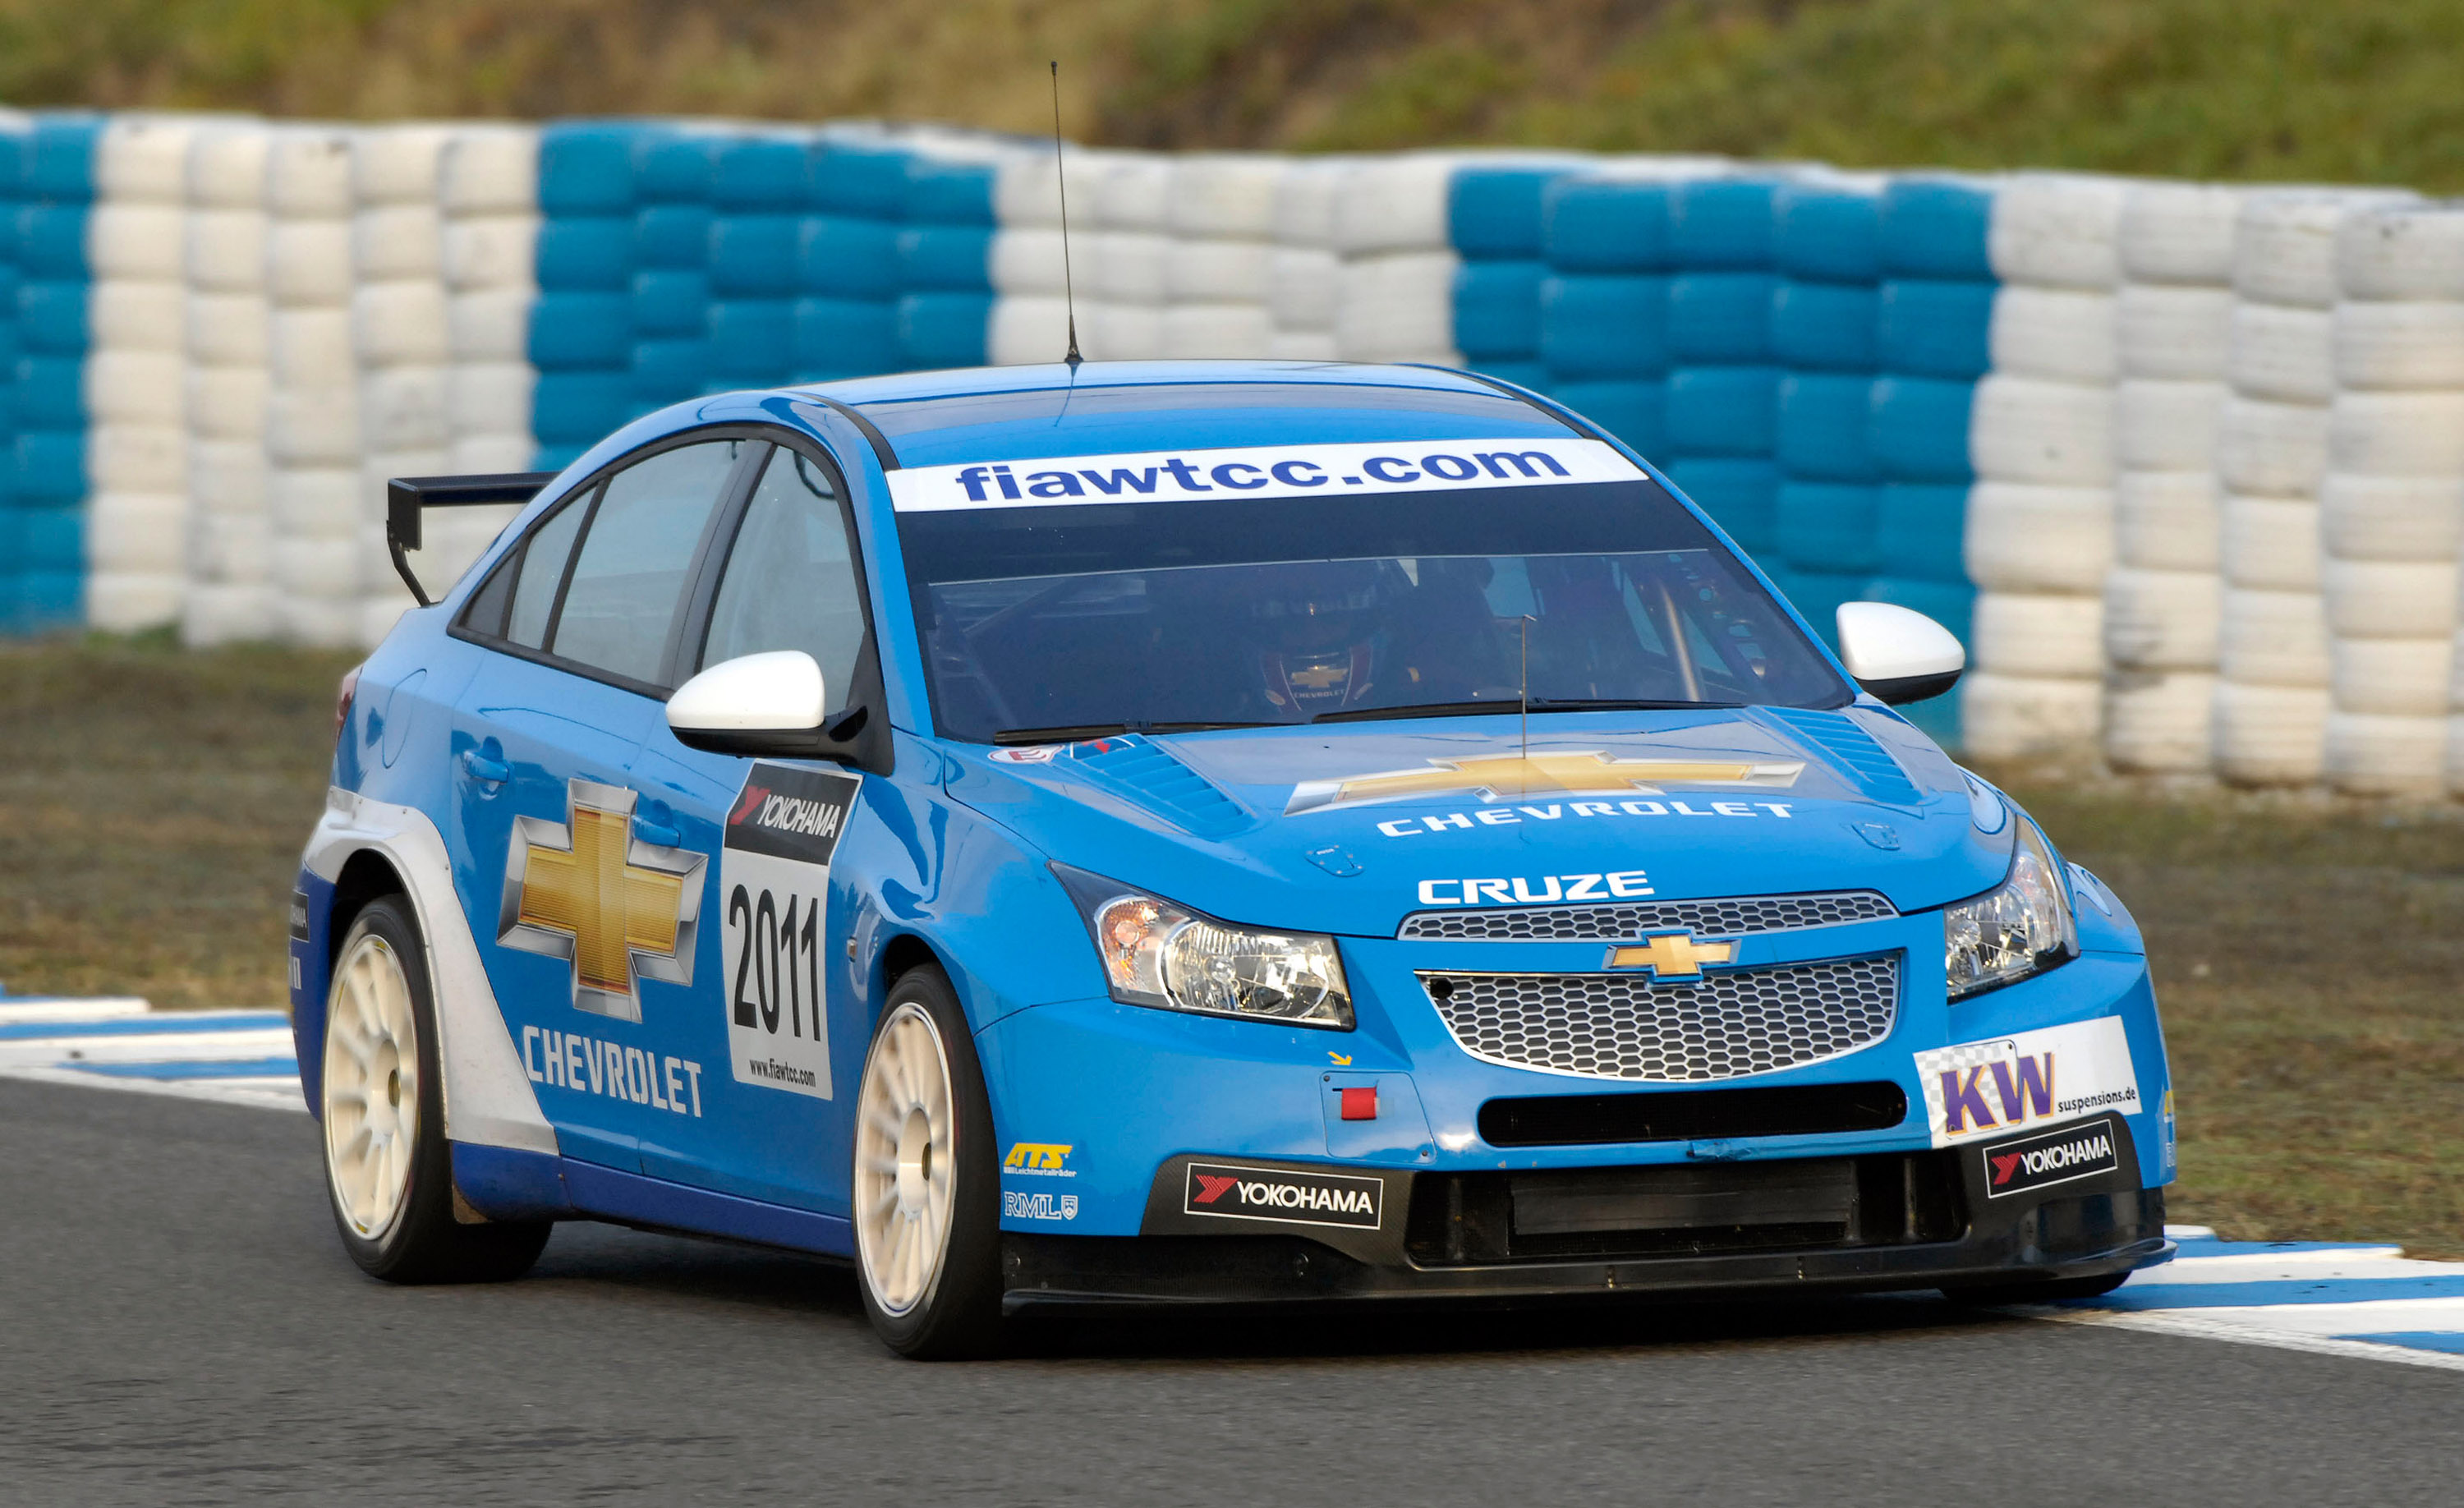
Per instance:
(1359,1104)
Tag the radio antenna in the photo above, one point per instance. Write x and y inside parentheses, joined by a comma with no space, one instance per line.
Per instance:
(1061,181)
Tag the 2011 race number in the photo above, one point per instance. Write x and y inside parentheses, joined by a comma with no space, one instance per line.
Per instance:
(778,967)
(775,868)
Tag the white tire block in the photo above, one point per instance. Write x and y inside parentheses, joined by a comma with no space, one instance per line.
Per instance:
(228,404)
(1028,263)
(2025,538)
(2008,716)
(2059,332)
(132,316)
(313,427)
(216,613)
(314,505)
(136,240)
(225,169)
(1132,191)
(308,263)
(1026,190)
(2385,344)
(2270,543)
(2027,430)
(2162,619)
(1027,331)
(396,164)
(136,532)
(479,454)
(2391,517)
(1218,273)
(309,350)
(2284,242)
(2380,754)
(1394,204)
(2402,252)
(1126,267)
(228,329)
(493,398)
(137,458)
(2397,434)
(226,251)
(497,251)
(231,548)
(2032,634)
(1304,201)
(1400,308)
(308,173)
(144,158)
(2058,230)
(131,601)
(2277,638)
(2163,425)
(227,478)
(490,170)
(402,322)
(2270,449)
(1304,288)
(2184,333)
(1302,346)
(2283,353)
(395,241)
(317,622)
(1120,332)
(1225,195)
(2271,735)
(404,409)
(2179,233)
(2392,677)
(1205,332)
(2160,722)
(2391,599)
(2166,521)
(492,326)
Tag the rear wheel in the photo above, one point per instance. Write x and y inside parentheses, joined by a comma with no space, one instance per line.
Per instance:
(388,1171)
(927,1191)
(2049,1291)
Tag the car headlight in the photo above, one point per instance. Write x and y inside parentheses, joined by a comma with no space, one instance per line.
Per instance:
(1156,954)
(2020,927)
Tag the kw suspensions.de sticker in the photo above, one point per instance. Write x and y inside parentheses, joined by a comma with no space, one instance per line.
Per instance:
(773,872)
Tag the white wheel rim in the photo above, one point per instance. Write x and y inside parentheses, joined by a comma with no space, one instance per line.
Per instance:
(372,1089)
(903,1162)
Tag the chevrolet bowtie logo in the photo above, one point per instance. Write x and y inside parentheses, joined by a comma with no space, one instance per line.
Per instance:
(619,909)
(1672,955)
(1514,778)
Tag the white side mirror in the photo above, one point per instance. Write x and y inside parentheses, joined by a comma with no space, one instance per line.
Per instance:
(747,703)
(1897,653)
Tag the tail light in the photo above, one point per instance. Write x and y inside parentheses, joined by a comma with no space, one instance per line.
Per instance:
(342,696)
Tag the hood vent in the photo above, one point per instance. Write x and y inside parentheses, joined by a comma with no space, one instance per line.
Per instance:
(1162,783)
(1852,748)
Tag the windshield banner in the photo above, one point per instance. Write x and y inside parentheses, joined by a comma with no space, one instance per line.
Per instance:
(1291,470)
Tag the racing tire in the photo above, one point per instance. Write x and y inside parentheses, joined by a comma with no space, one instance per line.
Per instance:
(927,1189)
(2046,1291)
(388,1171)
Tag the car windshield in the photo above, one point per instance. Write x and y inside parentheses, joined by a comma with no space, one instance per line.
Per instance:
(1051,623)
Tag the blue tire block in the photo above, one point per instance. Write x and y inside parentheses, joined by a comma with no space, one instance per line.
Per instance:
(1920,530)
(1831,235)
(1824,326)
(1816,596)
(1493,214)
(50,242)
(1931,328)
(1822,422)
(574,332)
(670,371)
(1919,429)
(1601,225)
(1721,223)
(671,235)
(758,175)
(1936,228)
(558,456)
(839,338)
(50,469)
(8,275)
(938,330)
(753,257)
(673,166)
(1741,497)
(1523,373)
(14,146)
(593,253)
(671,304)
(1830,526)
(752,343)
(48,600)
(952,258)
(586,167)
(1720,317)
(8,216)
(1497,308)
(59,159)
(1635,412)
(1723,410)
(51,318)
(864,182)
(1593,325)
(582,408)
(48,394)
(948,193)
(50,538)
(841,256)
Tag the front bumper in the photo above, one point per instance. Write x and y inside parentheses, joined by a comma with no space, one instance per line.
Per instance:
(1926,1220)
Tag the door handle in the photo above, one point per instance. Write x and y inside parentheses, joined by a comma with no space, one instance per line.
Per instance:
(492,772)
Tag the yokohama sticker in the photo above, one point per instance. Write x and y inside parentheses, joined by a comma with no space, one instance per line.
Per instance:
(2050,1157)
(2009,1083)
(774,882)
(1277,1194)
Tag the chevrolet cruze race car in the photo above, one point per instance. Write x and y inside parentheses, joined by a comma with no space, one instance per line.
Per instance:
(1194,833)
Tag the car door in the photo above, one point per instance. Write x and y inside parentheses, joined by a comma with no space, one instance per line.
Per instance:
(587,906)
(774,1022)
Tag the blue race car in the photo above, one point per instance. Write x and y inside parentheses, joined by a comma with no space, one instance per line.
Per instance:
(1230,832)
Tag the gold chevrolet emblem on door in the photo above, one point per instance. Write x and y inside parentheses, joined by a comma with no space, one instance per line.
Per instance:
(618,909)
(1672,955)
(1515,778)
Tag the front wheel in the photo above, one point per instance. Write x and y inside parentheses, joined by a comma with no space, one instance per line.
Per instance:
(927,1188)
(388,1171)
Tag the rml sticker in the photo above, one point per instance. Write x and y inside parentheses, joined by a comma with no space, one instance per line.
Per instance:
(775,872)
(2009,1084)
(1284,470)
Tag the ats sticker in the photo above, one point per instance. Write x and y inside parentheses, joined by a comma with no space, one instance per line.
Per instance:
(1523,778)
(2062,1073)
(1037,1160)
(1277,1194)
(774,871)
(2048,1158)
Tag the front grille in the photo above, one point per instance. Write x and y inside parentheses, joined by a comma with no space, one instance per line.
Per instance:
(1734,917)
(1622,1026)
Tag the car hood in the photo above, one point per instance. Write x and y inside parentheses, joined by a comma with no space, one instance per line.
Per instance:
(1348,828)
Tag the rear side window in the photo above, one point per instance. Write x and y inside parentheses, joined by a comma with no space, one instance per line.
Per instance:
(541,573)
(628,577)
(790,582)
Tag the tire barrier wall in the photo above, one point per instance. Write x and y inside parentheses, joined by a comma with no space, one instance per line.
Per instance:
(2183,464)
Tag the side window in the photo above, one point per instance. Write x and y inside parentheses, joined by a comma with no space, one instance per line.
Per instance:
(541,572)
(790,582)
(629,573)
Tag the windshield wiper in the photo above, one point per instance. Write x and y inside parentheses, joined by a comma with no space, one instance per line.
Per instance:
(1537,704)
(1076,733)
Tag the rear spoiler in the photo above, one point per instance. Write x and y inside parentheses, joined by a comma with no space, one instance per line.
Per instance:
(407,495)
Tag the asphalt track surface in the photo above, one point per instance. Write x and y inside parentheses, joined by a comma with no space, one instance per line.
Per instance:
(177,1326)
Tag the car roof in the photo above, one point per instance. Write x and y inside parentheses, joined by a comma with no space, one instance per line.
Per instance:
(1029,412)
